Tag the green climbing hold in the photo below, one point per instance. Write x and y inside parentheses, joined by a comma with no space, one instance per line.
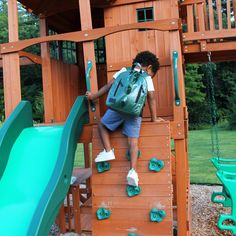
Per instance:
(128,154)
(103,166)
(133,190)
(156,165)
(103,214)
(157,215)
(133,234)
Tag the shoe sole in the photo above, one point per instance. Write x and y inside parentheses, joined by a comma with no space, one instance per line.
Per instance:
(131,182)
(105,159)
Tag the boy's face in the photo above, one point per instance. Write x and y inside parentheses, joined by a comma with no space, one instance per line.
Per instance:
(148,69)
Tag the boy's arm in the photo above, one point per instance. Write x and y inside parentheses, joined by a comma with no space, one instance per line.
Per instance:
(100,92)
(152,105)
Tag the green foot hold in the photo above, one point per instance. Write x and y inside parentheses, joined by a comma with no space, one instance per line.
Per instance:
(103,166)
(133,190)
(133,234)
(128,154)
(103,214)
(156,165)
(157,215)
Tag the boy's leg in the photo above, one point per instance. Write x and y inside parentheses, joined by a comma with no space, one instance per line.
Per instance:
(133,150)
(110,121)
(104,135)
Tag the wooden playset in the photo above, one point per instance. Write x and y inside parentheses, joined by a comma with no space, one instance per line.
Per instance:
(109,33)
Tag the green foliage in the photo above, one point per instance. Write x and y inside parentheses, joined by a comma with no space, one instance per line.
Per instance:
(195,96)
(31,78)
(232,115)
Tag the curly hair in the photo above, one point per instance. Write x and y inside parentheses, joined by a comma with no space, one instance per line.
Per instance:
(147,58)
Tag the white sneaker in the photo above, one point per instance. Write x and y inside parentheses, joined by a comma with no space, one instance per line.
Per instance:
(105,156)
(132,178)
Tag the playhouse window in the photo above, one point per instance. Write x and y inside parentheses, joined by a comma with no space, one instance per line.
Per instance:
(100,51)
(63,50)
(145,14)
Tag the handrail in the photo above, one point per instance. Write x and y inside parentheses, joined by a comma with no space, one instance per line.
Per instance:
(88,70)
(175,66)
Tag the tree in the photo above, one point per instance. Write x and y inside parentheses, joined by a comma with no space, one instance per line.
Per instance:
(195,95)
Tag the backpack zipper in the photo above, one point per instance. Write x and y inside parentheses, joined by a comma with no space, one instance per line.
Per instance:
(118,85)
(139,94)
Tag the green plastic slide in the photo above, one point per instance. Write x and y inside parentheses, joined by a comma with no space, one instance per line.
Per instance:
(36,164)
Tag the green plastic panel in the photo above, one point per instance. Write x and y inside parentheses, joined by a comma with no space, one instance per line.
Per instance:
(20,118)
(38,172)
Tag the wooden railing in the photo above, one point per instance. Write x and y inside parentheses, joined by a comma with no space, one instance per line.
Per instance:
(212,20)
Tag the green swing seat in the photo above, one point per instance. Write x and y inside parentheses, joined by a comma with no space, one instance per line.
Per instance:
(228,179)
(228,165)
(226,168)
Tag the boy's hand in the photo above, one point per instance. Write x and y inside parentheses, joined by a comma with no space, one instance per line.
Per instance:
(89,95)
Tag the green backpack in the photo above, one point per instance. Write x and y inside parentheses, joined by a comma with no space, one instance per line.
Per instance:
(128,92)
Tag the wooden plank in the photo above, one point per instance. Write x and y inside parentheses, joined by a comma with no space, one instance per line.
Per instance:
(48,95)
(234,11)
(163,190)
(11,64)
(147,142)
(164,61)
(181,184)
(190,19)
(196,18)
(89,54)
(142,167)
(191,2)
(119,228)
(13,28)
(11,82)
(211,15)
(219,14)
(224,33)
(228,6)
(148,129)
(134,203)
(144,178)
(146,153)
(205,16)
(89,35)
(200,14)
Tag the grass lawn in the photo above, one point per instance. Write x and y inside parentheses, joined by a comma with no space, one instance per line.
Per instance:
(202,171)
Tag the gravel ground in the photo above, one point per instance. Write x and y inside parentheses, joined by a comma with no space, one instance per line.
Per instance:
(204,214)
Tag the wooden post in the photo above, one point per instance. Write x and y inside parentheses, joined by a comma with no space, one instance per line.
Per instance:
(11,64)
(46,76)
(89,54)
(180,145)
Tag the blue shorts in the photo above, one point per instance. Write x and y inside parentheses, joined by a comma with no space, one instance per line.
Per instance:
(131,125)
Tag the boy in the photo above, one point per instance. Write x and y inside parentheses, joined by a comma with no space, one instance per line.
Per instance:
(111,120)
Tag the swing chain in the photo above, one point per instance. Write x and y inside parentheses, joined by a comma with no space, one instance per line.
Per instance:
(212,107)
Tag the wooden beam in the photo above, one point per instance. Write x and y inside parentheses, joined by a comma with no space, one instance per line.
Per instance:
(46,76)
(220,46)
(164,61)
(89,53)
(92,34)
(216,34)
(11,64)
(190,2)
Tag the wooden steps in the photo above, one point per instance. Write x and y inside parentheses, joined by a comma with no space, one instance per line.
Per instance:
(109,188)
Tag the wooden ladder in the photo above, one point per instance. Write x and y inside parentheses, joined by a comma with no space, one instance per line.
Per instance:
(131,214)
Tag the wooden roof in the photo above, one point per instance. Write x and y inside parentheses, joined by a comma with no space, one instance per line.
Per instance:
(63,15)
